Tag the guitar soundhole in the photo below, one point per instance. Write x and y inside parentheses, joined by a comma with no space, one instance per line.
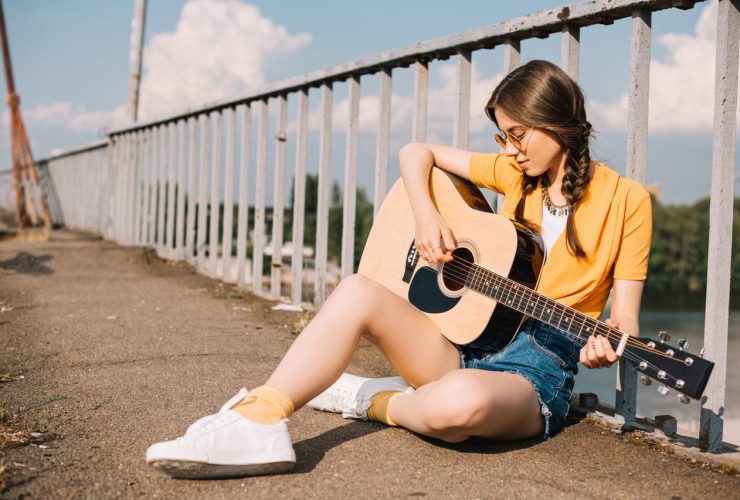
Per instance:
(455,273)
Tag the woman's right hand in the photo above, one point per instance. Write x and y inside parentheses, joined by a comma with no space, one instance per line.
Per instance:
(434,241)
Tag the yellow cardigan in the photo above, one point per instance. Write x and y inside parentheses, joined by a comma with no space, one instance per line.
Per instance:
(613,222)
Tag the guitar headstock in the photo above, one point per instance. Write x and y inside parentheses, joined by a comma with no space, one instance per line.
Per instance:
(673,366)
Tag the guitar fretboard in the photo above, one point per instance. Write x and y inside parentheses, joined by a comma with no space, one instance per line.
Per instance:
(527,301)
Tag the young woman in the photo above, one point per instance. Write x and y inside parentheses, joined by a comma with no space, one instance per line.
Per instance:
(597,229)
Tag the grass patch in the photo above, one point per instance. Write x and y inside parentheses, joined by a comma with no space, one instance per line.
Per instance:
(302,322)
(12,437)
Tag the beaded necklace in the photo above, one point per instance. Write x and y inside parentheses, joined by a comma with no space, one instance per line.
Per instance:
(556,210)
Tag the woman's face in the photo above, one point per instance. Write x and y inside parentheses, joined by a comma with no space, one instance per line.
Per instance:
(540,151)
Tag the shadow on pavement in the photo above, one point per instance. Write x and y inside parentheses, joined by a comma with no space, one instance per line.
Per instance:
(26,263)
(310,452)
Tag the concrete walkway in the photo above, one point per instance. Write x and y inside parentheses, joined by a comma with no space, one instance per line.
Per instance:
(105,350)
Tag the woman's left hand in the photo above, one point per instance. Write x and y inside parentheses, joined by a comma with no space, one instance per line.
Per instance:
(598,352)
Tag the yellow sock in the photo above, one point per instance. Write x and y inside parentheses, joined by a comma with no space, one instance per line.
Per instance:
(379,404)
(265,405)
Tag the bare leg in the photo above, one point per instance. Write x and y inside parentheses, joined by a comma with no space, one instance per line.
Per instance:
(471,402)
(359,306)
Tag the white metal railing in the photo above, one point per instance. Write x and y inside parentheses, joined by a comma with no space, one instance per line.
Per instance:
(149,183)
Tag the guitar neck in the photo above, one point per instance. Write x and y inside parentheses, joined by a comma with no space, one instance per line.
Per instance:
(511,294)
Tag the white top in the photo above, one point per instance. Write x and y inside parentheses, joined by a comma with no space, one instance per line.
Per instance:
(552,226)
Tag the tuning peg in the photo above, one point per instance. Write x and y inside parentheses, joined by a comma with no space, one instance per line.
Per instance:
(664,336)
(645,380)
(683,344)
(684,399)
(701,353)
(663,390)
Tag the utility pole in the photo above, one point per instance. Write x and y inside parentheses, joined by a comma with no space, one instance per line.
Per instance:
(137,41)
(25,172)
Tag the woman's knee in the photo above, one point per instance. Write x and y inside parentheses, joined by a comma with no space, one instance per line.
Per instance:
(361,291)
(455,404)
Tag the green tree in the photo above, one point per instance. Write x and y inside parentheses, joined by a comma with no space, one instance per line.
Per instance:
(363,223)
(363,219)
(679,253)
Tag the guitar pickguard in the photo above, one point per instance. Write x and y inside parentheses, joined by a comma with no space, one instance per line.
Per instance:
(425,294)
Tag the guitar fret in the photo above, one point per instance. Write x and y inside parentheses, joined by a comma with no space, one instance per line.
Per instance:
(528,301)
(559,316)
(468,281)
(581,328)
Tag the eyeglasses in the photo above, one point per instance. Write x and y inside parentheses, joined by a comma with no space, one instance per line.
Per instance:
(516,140)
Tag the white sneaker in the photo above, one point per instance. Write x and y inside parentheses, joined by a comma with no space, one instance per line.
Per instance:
(227,445)
(226,407)
(350,395)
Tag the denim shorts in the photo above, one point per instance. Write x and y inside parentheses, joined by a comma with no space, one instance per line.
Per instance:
(544,356)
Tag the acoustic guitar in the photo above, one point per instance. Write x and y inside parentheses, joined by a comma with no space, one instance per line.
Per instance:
(483,296)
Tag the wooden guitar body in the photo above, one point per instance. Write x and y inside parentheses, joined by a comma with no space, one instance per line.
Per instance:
(442,291)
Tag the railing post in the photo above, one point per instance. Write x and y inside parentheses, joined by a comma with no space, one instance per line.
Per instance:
(299,198)
(716,324)
(569,50)
(637,139)
(350,179)
(204,174)
(638,98)
(139,198)
(384,138)
(115,189)
(215,214)
(229,194)
(133,198)
(171,181)
(120,167)
(258,234)
(123,168)
(461,124)
(192,124)
(242,223)
(162,178)
(278,199)
(322,215)
(136,185)
(512,54)
(421,100)
(152,186)
(182,177)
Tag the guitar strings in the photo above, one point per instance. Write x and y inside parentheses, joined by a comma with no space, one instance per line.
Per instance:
(600,327)
(577,338)
(580,341)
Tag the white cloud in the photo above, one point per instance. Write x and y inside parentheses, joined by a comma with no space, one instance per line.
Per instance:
(219,50)
(440,107)
(74,117)
(681,84)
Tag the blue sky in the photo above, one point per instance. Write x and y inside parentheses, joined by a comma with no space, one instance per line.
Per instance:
(71,68)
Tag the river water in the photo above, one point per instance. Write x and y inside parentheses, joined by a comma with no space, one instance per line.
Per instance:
(682,321)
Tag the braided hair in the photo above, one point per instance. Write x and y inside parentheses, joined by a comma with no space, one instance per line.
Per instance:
(542,95)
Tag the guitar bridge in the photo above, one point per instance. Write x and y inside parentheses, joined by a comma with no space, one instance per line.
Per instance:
(412,257)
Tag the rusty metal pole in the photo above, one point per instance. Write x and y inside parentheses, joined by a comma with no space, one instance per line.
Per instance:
(12,100)
(24,167)
(137,40)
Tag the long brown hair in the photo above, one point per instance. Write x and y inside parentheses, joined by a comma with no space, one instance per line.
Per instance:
(540,94)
